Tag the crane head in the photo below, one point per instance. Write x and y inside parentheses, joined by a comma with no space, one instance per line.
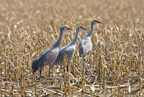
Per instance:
(66,28)
(81,27)
(96,21)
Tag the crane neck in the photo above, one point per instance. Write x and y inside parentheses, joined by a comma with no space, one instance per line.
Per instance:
(91,32)
(57,44)
(76,37)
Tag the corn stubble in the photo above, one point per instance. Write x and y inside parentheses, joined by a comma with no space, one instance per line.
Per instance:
(113,68)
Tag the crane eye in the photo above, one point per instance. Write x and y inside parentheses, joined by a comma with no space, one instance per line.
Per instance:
(65,26)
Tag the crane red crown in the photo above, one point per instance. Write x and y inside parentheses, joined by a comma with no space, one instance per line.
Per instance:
(65,26)
(81,27)
(95,20)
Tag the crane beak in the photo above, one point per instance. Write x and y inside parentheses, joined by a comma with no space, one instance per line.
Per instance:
(84,29)
(69,28)
(99,22)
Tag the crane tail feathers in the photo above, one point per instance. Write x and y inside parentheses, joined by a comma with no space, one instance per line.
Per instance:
(36,64)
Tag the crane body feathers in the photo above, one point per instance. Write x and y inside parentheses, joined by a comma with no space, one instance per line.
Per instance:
(69,50)
(85,45)
(48,56)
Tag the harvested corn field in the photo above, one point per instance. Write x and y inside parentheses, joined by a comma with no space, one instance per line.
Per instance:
(114,67)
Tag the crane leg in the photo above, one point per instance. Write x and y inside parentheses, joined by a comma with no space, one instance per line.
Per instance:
(86,61)
(49,70)
(40,74)
(68,67)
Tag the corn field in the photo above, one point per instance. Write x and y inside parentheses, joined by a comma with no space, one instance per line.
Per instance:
(114,67)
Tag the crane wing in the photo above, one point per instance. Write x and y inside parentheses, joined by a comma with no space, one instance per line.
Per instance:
(84,47)
(48,57)
(44,52)
(87,48)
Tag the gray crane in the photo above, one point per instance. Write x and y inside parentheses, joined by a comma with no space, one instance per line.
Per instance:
(48,56)
(69,50)
(85,44)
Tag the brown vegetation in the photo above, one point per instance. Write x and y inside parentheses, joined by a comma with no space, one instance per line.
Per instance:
(114,66)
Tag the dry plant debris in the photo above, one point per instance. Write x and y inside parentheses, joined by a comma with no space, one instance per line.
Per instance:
(115,66)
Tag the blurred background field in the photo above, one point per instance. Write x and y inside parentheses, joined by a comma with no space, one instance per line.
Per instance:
(115,66)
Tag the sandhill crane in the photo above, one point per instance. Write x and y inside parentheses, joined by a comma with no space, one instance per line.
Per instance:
(69,50)
(85,45)
(48,56)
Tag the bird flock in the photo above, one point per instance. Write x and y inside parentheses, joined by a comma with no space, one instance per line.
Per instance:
(55,56)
